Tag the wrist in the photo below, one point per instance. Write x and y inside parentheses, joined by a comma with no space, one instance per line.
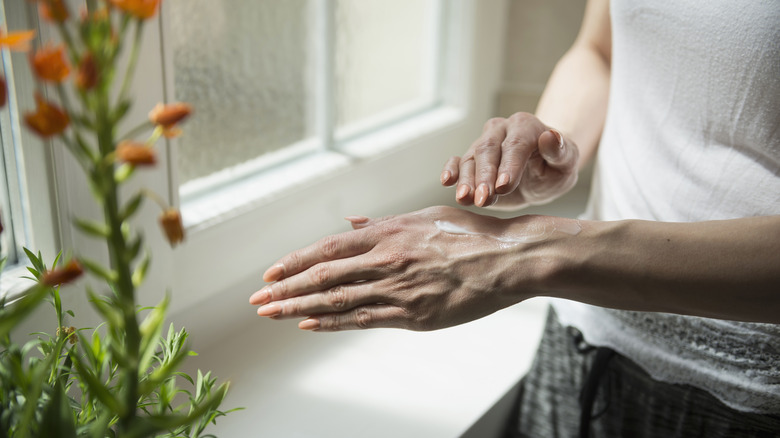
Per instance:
(550,256)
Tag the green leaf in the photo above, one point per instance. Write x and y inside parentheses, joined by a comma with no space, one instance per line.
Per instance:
(58,417)
(97,389)
(131,207)
(36,261)
(121,109)
(99,270)
(123,172)
(92,228)
(96,187)
(109,312)
(70,312)
(134,248)
(140,271)
(150,329)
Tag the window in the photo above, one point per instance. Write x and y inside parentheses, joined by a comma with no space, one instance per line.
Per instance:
(279,80)
(305,111)
(25,165)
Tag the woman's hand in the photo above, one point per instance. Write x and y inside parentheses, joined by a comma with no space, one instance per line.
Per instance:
(427,270)
(516,162)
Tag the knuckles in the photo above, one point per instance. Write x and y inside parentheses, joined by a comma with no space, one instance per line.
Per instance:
(522,118)
(329,247)
(487,145)
(320,274)
(337,297)
(363,318)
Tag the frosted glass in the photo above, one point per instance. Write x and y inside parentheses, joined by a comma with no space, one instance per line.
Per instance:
(384,55)
(243,66)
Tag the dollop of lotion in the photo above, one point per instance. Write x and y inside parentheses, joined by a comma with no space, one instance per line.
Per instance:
(536,232)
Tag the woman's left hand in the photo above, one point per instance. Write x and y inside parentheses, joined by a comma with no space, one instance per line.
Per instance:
(426,270)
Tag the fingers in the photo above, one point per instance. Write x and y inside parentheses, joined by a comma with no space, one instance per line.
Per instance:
(339,298)
(464,194)
(520,143)
(557,151)
(495,162)
(451,172)
(363,317)
(329,248)
(319,277)
(487,155)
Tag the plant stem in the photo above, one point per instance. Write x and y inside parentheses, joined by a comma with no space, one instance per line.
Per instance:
(118,253)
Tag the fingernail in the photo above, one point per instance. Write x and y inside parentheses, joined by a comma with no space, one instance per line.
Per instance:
(463,190)
(269,310)
(274,273)
(260,297)
(558,136)
(445,176)
(309,324)
(357,219)
(481,195)
(503,180)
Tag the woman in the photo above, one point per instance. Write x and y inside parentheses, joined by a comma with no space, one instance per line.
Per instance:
(669,323)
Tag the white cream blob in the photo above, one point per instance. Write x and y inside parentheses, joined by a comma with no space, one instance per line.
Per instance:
(532,232)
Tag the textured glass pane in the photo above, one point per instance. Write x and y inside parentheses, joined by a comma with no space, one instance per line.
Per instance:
(384,55)
(243,65)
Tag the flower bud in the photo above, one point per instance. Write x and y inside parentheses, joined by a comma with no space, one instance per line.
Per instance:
(88,76)
(53,10)
(65,274)
(49,64)
(171,223)
(169,115)
(19,41)
(141,9)
(136,153)
(48,120)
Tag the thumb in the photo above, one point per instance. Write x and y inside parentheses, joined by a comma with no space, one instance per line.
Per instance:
(559,152)
(359,222)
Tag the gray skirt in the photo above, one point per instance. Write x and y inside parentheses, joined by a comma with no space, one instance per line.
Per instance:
(575,389)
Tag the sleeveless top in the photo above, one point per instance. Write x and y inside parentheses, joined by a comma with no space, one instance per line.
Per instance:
(692,134)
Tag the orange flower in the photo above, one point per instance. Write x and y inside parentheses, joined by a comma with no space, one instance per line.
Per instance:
(48,120)
(62,275)
(3,91)
(53,10)
(87,77)
(50,64)
(19,41)
(135,153)
(171,223)
(169,115)
(141,9)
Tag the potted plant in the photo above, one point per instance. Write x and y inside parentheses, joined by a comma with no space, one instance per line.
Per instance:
(122,378)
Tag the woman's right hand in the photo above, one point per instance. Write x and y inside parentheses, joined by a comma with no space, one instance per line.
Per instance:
(516,162)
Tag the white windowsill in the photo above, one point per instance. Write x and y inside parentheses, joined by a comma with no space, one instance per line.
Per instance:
(13,285)
(375,383)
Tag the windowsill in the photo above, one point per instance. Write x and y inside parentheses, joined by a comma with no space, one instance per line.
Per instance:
(279,177)
(377,383)
(13,283)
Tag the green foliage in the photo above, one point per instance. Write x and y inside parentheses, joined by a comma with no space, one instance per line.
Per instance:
(70,384)
(122,378)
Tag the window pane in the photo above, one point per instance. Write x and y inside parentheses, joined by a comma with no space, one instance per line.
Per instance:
(243,65)
(385,55)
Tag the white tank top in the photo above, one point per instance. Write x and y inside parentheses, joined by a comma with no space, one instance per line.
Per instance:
(692,134)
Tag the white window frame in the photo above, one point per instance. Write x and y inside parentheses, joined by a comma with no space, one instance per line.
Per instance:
(296,202)
(29,167)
